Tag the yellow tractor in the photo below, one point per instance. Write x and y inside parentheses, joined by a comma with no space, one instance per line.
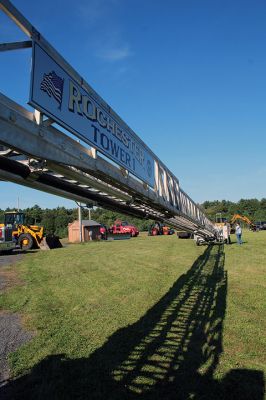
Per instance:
(219,220)
(29,236)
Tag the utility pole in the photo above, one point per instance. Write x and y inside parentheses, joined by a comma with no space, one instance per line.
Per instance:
(80,223)
(89,207)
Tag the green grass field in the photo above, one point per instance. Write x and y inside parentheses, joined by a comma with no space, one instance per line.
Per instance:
(148,318)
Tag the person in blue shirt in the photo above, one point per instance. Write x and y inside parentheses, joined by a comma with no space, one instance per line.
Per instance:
(238,234)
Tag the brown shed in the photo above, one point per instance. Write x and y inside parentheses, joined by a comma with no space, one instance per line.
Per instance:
(90,231)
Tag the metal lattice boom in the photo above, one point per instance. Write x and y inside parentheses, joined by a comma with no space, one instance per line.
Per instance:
(41,156)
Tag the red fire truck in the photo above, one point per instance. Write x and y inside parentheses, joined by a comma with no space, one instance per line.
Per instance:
(119,229)
(123,227)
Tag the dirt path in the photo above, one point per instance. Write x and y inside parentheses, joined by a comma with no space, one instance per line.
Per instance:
(8,277)
(12,335)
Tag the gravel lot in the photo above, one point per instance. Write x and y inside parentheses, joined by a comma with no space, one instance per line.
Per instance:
(12,336)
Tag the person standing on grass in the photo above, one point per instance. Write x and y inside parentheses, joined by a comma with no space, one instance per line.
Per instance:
(229,232)
(238,233)
(225,233)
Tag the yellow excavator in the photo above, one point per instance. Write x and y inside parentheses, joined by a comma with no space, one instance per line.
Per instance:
(244,219)
(29,236)
(220,221)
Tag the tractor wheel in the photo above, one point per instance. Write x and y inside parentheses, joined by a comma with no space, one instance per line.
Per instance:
(25,241)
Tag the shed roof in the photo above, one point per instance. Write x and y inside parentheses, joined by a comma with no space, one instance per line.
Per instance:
(86,222)
(90,222)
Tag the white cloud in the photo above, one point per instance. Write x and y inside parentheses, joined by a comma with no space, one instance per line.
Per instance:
(115,53)
(103,32)
(92,11)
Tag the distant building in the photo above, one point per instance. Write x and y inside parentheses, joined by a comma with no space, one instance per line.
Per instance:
(90,231)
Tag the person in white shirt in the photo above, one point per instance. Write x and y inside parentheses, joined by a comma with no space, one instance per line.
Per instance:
(238,234)
(225,233)
(229,232)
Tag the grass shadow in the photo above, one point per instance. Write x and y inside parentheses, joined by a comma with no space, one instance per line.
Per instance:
(170,353)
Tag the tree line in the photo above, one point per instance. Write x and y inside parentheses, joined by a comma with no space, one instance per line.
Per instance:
(254,209)
(56,220)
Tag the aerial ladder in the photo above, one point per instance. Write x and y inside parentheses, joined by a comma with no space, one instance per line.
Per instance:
(112,168)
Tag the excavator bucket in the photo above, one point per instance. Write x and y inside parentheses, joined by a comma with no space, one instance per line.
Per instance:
(50,242)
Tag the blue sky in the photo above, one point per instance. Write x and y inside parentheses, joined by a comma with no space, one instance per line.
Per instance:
(187,76)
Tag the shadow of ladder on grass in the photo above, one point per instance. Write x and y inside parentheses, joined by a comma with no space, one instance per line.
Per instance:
(170,353)
(181,334)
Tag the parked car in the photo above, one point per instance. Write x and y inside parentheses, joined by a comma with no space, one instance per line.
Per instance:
(260,225)
(263,225)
